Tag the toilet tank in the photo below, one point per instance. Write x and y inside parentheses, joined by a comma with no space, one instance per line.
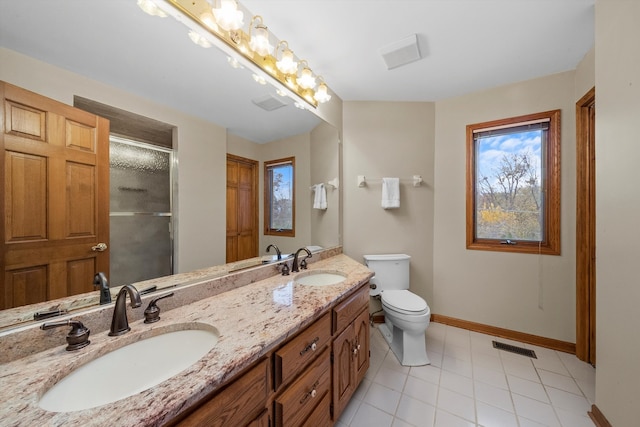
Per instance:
(391,271)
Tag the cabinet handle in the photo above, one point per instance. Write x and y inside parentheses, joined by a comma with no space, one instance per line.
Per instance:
(310,394)
(311,346)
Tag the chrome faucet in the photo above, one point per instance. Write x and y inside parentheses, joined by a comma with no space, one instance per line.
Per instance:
(119,322)
(279,254)
(294,266)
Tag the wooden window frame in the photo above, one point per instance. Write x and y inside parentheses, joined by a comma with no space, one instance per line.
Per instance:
(550,182)
(268,231)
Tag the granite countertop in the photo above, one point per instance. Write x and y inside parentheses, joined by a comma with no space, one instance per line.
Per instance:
(251,320)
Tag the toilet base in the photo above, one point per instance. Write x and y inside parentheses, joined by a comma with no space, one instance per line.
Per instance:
(409,349)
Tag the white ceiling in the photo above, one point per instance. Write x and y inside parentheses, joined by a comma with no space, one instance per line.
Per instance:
(467,45)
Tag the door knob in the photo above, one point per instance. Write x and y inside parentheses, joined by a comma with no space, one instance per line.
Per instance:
(100,247)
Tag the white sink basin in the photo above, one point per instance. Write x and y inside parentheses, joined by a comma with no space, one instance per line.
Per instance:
(320,278)
(129,370)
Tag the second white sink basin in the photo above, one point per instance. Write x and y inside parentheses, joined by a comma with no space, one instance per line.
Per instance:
(129,370)
(320,278)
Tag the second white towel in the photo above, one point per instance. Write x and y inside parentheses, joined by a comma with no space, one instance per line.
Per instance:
(320,197)
(390,193)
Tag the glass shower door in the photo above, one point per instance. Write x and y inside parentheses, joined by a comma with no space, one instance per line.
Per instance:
(141,240)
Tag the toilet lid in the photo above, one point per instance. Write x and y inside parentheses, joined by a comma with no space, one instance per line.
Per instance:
(404,300)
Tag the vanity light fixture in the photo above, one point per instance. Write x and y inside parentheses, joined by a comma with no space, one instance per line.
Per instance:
(234,62)
(222,25)
(228,17)
(259,79)
(306,79)
(286,64)
(259,42)
(322,94)
(199,39)
(209,20)
(149,7)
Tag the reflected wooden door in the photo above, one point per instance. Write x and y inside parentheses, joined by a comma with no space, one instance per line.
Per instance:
(55,180)
(242,208)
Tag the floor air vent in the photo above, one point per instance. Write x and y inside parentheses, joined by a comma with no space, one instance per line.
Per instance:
(514,349)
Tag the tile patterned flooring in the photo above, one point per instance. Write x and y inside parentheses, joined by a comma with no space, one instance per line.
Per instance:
(469,383)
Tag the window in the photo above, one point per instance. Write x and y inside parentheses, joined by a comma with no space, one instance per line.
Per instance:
(513,184)
(279,200)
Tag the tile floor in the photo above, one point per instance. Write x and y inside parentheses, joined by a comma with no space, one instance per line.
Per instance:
(469,383)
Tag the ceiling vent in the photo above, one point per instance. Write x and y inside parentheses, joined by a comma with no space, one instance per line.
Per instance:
(270,102)
(402,52)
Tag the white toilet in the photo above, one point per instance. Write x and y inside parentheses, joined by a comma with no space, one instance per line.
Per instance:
(406,315)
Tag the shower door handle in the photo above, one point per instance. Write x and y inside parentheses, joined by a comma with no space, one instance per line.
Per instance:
(100,247)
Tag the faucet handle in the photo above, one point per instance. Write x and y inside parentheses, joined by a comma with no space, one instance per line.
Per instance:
(285,269)
(78,336)
(152,312)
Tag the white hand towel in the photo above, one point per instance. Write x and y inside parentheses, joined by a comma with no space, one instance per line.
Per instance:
(320,198)
(390,193)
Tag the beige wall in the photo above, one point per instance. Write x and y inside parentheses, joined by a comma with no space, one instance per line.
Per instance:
(390,139)
(201,151)
(586,74)
(299,147)
(527,293)
(317,160)
(617,71)
(324,167)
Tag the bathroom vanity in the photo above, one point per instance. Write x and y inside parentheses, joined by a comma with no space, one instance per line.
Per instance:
(287,354)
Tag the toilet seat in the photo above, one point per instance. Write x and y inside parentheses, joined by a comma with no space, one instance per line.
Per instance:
(405,302)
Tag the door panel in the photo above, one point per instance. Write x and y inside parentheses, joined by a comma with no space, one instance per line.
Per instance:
(343,371)
(25,197)
(55,177)
(242,208)
(361,325)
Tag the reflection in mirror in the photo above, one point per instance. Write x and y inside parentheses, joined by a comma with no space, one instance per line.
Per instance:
(37,30)
(141,214)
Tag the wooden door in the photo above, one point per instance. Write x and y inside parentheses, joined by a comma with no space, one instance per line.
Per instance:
(55,179)
(586,228)
(344,379)
(242,208)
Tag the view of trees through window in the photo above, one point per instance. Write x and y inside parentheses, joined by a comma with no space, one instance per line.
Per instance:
(279,191)
(513,184)
(508,187)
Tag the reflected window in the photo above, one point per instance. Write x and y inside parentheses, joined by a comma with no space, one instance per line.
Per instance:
(279,199)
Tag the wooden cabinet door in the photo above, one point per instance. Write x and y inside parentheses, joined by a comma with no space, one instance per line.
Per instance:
(344,378)
(55,181)
(242,208)
(362,336)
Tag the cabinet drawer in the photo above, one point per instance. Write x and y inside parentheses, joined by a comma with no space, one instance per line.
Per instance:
(346,311)
(237,404)
(293,407)
(321,416)
(298,352)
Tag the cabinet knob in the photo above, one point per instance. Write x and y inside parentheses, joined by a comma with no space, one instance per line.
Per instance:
(313,347)
(313,393)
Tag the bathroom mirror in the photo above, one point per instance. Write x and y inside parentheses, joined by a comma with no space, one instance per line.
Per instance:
(115,43)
